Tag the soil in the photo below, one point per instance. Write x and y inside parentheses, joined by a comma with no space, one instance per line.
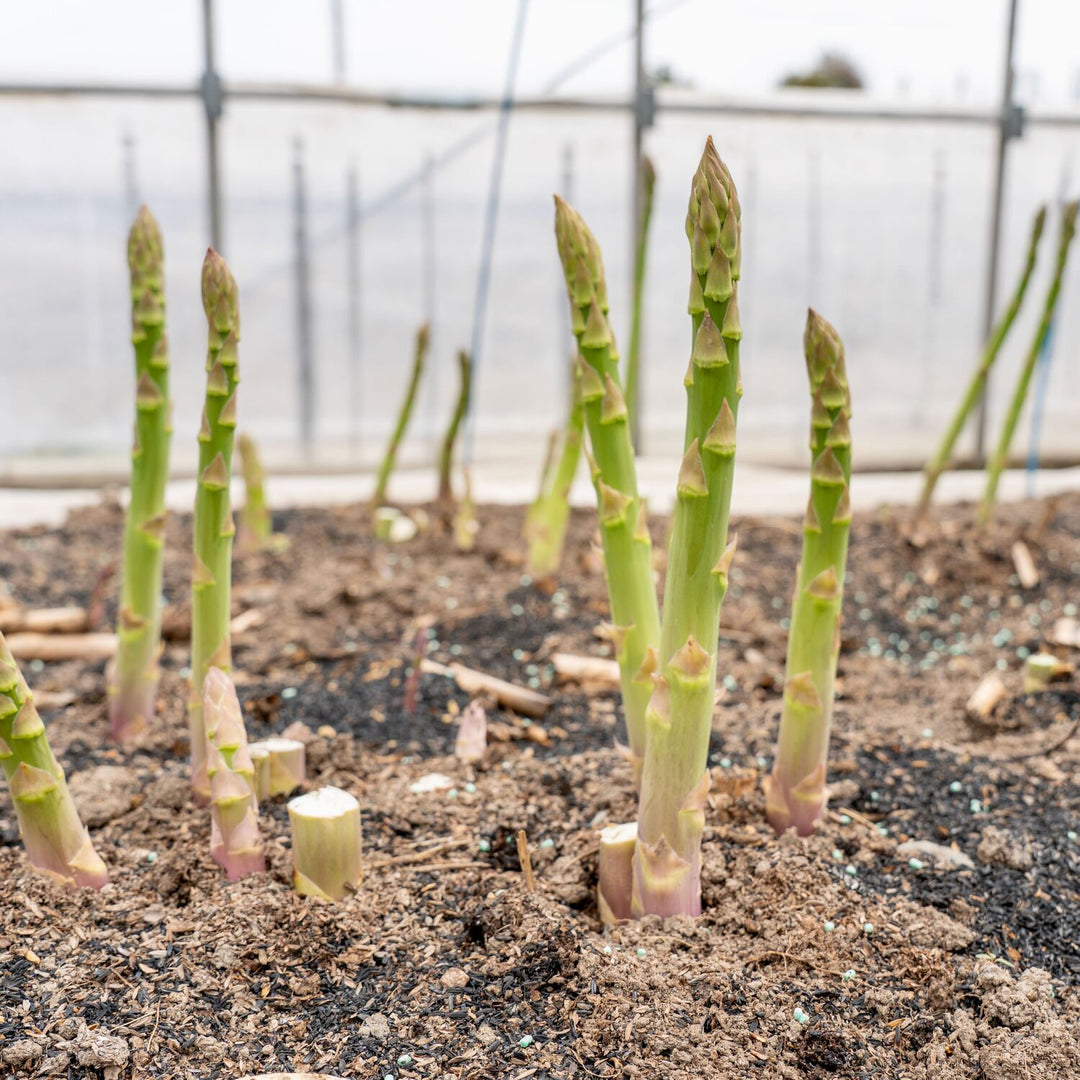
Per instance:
(841,955)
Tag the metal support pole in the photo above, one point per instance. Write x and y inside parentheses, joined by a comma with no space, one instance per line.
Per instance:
(567,347)
(1010,124)
(641,121)
(352,298)
(212,105)
(428,278)
(304,352)
(337,38)
(491,218)
(131,179)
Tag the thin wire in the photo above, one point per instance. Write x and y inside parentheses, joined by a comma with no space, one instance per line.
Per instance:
(491,218)
(400,188)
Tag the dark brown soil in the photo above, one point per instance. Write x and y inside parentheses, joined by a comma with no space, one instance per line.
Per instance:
(833,956)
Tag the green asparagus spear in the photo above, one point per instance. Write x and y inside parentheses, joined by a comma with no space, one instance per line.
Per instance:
(133,676)
(56,842)
(548,516)
(1000,456)
(214,526)
(256,530)
(624,530)
(795,792)
(461,407)
(675,780)
(940,461)
(423,336)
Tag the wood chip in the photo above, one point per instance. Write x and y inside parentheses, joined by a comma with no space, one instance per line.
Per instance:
(586,669)
(519,698)
(88,647)
(986,697)
(60,620)
(1026,570)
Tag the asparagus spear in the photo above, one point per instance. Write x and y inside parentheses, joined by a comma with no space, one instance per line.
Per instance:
(633,359)
(133,676)
(675,780)
(214,526)
(465,524)
(56,842)
(548,516)
(940,461)
(256,527)
(461,407)
(280,766)
(623,526)
(1000,456)
(423,336)
(795,792)
(235,844)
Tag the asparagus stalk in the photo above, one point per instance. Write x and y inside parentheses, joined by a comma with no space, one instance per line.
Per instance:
(133,676)
(1000,456)
(327,843)
(633,359)
(940,461)
(214,526)
(624,530)
(461,407)
(470,745)
(675,780)
(56,841)
(256,529)
(465,524)
(235,844)
(280,766)
(423,336)
(547,518)
(795,792)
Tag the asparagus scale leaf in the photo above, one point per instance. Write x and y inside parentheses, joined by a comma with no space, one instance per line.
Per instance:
(214,529)
(795,791)
(133,676)
(940,461)
(55,839)
(1000,456)
(624,531)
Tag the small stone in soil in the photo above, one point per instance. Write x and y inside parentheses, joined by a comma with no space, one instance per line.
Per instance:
(830,927)
(525,1041)
(802,1017)
(848,975)
(868,927)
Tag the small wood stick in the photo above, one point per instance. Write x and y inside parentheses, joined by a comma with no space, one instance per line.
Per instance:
(526,861)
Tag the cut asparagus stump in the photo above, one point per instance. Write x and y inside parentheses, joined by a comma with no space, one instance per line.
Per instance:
(55,839)
(615,872)
(235,844)
(624,530)
(279,767)
(214,527)
(465,524)
(326,842)
(940,461)
(423,336)
(1000,456)
(675,779)
(795,792)
(133,675)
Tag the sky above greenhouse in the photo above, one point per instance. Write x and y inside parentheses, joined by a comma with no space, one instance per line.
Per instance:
(948,50)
